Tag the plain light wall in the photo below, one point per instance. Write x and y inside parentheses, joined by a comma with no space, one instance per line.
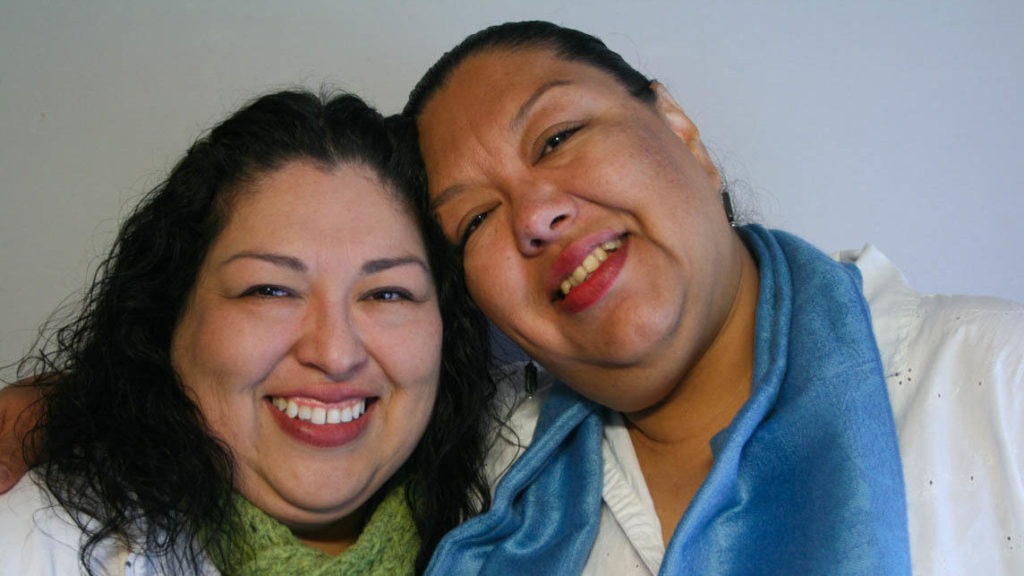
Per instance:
(895,123)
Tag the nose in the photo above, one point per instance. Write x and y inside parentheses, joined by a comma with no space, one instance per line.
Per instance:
(331,342)
(540,217)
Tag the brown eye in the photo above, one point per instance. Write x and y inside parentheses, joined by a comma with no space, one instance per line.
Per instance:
(558,139)
(267,291)
(390,295)
(474,223)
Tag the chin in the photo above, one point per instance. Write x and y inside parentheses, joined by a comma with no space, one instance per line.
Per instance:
(636,330)
(310,505)
(306,516)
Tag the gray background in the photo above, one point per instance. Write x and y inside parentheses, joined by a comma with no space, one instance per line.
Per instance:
(895,123)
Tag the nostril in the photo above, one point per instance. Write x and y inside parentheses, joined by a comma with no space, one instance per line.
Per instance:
(536,242)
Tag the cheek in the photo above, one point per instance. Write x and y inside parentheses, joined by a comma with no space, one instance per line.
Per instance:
(220,357)
(409,351)
(651,165)
(499,282)
(428,364)
(412,364)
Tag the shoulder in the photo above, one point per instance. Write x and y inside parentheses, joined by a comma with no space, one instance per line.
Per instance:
(36,535)
(945,356)
(518,409)
(954,332)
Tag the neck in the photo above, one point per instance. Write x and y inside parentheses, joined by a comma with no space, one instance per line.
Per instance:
(334,538)
(672,439)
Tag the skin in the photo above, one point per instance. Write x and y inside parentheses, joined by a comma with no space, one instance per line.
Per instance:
(16,421)
(311,293)
(533,160)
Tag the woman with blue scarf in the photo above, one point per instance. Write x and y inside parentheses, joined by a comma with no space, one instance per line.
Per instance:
(723,399)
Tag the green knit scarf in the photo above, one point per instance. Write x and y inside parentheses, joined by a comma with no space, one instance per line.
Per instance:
(387,546)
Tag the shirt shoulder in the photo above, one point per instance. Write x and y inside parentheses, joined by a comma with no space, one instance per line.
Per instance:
(954,368)
(952,337)
(36,535)
(981,330)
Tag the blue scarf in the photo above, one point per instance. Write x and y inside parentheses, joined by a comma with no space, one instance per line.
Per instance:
(806,479)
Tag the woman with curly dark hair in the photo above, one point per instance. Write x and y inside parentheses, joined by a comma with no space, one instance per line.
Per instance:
(274,370)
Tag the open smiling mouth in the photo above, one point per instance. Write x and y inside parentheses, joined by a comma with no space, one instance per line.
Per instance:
(317,413)
(589,265)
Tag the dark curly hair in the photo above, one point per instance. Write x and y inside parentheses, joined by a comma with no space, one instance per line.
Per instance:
(127,452)
(572,45)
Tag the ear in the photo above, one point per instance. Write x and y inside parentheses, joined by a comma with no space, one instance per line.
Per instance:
(680,123)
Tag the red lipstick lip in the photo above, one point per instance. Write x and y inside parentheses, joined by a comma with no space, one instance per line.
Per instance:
(572,257)
(323,435)
(597,284)
(325,393)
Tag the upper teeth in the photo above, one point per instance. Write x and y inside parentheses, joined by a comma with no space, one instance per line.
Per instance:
(319,413)
(590,263)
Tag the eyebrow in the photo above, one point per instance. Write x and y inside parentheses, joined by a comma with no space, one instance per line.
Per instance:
(368,267)
(381,264)
(446,195)
(524,110)
(275,259)
(517,120)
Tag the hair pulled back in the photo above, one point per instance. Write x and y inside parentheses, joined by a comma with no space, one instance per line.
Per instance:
(566,43)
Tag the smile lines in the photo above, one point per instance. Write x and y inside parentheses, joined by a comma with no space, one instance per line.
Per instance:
(320,414)
(591,263)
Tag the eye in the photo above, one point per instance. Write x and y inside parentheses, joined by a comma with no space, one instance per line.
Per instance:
(557,140)
(267,291)
(389,294)
(474,222)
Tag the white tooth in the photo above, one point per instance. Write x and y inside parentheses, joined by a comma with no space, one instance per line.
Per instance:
(591,263)
(305,412)
(362,407)
(346,414)
(333,416)
(280,403)
(319,415)
(293,409)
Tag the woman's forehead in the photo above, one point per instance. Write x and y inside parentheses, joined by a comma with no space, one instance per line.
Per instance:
(497,86)
(351,185)
(490,69)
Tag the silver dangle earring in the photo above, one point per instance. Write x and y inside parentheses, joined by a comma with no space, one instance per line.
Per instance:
(730,214)
(530,378)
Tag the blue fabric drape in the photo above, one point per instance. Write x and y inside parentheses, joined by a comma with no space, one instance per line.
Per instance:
(545,512)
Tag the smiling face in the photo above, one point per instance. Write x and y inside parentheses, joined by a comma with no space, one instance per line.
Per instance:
(312,341)
(593,232)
